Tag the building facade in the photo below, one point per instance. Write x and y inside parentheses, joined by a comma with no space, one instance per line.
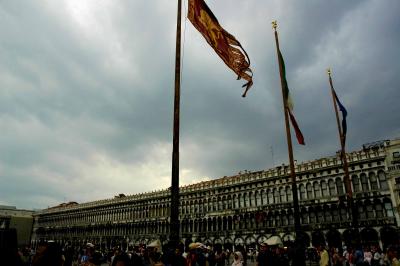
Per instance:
(19,220)
(247,208)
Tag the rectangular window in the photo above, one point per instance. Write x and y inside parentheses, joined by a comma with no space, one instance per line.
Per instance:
(336,217)
(378,210)
(389,209)
(370,212)
(304,218)
(361,213)
(312,218)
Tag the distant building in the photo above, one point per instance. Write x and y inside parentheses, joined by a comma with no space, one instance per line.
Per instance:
(20,220)
(248,208)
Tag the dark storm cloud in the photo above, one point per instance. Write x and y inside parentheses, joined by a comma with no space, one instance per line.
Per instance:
(87,92)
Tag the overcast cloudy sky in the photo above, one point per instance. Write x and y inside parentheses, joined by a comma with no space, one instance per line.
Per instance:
(86,91)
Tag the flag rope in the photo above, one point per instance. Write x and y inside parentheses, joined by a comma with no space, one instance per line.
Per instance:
(183,42)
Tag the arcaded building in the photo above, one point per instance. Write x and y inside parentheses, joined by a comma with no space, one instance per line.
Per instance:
(247,208)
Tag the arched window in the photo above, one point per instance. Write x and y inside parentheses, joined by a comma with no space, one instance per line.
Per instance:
(246,200)
(289,194)
(332,187)
(317,189)
(276,195)
(310,194)
(282,194)
(270,197)
(324,188)
(356,183)
(382,180)
(302,192)
(224,204)
(258,199)
(236,202)
(241,201)
(251,199)
(265,197)
(339,186)
(373,181)
(220,202)
(364,182)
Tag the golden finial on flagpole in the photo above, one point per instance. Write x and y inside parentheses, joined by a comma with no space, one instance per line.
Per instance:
(274,24)
(328,70)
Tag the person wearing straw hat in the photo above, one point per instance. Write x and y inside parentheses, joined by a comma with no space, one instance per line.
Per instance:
(196,256)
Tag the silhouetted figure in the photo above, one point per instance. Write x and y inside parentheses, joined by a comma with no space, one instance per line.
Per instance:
(48,254)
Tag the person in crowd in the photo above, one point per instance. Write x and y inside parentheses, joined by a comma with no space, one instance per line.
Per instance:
(219,256)
(261,259)
(210,256)
(237,259)
(136,258)
(392,254)
(268,255)
(337,259)
(179,260)
(377,259)
(298,253)
(115,253)
(155,252)
(48,254)
(68,252)
(196,255)
(367,256)
(229,257)
(358,256)
(25,256)
(242,250)
(324,256)
(122,260)
(145,257)
(280,257)
(348,256)
(92,256)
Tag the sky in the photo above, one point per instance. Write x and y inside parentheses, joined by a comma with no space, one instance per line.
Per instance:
(87,87)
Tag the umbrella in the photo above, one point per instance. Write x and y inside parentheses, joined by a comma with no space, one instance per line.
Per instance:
(274,241)
(196,245)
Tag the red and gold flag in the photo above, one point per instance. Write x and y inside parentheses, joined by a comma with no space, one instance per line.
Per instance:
(224,44)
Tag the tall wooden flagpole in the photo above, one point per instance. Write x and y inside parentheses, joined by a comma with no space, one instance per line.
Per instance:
(349,193)
(174,219)
(289,141)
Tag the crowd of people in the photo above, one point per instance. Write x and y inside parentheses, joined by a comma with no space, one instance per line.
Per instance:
(359,256)
(197,254)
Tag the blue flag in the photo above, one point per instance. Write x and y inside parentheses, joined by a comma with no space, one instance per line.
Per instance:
(344,115)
